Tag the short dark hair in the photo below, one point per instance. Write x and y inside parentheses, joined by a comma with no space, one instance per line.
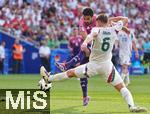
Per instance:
(101,12)
(102,17)
(88,12)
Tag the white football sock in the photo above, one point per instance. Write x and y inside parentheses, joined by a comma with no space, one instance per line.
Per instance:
(58,77)
(127,96)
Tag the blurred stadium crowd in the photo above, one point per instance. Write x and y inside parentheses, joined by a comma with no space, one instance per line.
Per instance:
(52,20)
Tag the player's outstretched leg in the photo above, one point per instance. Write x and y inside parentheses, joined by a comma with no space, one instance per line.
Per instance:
(73,62)
(84,83)
(44,84)
(126,94)
(76,72)
(50,78)
(116,80)
(125,74)
(45,75)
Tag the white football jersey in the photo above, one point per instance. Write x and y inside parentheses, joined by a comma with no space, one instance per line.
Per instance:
(125,42)
(103,43)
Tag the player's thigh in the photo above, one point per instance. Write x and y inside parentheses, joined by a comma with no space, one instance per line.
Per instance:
(80,70)
(106,69)
(116,78)
(87,70)
(110,73)
(102,69)
(93,68)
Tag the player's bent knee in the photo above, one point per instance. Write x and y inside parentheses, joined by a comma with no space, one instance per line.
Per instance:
(71,73)
(119,86)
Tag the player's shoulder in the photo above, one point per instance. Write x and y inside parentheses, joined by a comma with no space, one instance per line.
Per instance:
(95,29)
(81,20)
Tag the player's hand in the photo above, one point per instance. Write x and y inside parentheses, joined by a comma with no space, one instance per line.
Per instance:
(84,46)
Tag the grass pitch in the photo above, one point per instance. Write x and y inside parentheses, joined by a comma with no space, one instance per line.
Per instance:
(66,97)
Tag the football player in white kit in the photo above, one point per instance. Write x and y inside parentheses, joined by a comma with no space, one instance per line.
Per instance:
(126,41)
(103,37)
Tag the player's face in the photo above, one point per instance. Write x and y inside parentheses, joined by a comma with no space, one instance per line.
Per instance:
(87,19)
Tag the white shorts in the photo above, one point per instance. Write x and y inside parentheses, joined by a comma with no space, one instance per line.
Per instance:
(124,59)
(105,70)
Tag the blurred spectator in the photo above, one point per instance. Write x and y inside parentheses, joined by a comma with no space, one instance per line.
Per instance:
(17,56)
(75,42)
(140,44)
(2,2)
(52,43)
(44,53)
(37,18)
(146,58)
(52,20)
(2,56)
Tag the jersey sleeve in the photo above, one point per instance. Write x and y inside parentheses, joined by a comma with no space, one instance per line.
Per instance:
(95,30)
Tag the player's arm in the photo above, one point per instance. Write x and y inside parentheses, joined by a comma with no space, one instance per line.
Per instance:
(125,29)
(135,49)
(118,18)
(134,45)
(88,40)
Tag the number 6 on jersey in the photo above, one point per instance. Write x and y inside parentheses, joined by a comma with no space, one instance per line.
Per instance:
(105,44)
